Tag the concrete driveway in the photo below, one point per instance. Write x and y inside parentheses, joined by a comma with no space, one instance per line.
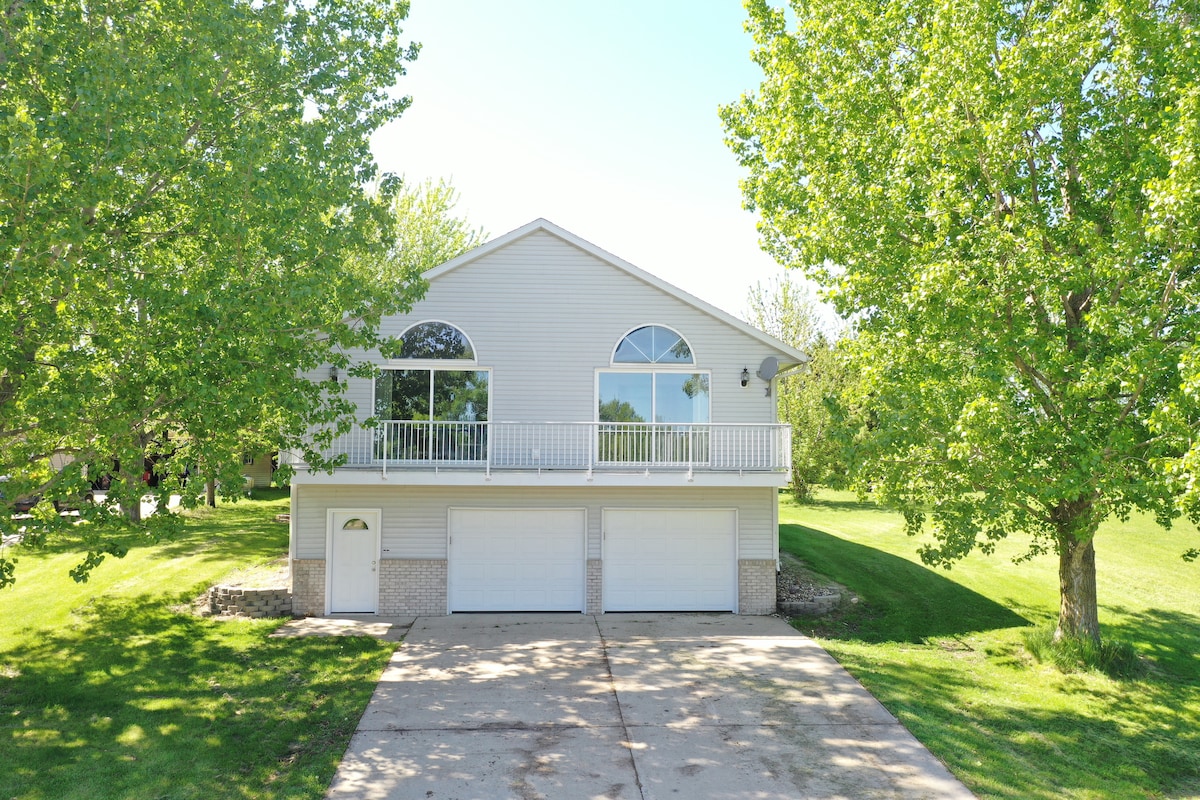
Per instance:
(633,706)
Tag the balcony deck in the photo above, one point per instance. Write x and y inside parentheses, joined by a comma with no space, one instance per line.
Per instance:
(456,450)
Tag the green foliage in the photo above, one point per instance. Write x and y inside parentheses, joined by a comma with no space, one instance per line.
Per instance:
(184,233)
(428,232)
(804,396)
(1069,654)
(1003,195)
(616,410)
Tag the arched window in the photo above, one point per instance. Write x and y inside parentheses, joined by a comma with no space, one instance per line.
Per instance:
(653,344)
(653,380)
(355,524)
(438,341)
(437,407)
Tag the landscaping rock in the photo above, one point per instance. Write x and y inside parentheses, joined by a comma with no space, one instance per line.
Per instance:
(800,592)
(254,603)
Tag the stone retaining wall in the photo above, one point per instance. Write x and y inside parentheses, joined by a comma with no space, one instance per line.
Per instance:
(818,606)
(256,603)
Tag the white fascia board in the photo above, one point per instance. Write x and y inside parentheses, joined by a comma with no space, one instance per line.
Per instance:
(362,477)
(792,356)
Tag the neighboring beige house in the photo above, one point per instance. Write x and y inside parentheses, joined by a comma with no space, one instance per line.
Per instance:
(559,431)
(257,470)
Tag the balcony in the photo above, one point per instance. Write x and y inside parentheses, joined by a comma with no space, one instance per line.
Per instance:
(586,447)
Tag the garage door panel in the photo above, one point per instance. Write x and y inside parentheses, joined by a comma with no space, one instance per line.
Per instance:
(670,559)
(517,559)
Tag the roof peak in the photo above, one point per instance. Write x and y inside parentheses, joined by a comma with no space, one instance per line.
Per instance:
(545,225)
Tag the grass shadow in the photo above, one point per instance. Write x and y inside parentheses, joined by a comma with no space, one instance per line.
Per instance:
(240,532)
(140,701)
(903,601)
(1154,742)
(841,505)
(1169,639)
(246,520)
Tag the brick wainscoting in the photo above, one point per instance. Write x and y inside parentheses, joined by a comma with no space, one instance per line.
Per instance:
(756,586)
(412,587)
(594,602)
(308,587)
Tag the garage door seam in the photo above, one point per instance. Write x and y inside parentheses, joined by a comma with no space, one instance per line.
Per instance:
(612,687)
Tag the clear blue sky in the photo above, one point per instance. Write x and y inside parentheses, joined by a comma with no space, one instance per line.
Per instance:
(600,117)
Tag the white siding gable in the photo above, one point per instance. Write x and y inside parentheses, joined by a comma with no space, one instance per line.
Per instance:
(544,312)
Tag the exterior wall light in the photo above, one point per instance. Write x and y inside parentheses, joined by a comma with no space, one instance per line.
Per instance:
(333,374)
(745,377)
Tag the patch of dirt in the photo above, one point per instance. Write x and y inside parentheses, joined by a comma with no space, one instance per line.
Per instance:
(271,575)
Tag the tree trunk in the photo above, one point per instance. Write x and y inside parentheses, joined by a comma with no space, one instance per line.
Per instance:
(1078,616)
(210,493)
(134,512)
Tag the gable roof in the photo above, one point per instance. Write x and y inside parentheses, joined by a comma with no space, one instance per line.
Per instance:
(794,356)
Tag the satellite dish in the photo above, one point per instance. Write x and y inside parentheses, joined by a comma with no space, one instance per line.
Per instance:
(769,368)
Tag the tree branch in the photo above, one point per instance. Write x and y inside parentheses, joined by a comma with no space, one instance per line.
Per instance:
(1045,393)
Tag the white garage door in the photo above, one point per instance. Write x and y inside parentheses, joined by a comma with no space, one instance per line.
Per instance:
(509,559)
(670,560)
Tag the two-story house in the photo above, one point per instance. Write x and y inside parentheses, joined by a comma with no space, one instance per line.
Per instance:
(558,431)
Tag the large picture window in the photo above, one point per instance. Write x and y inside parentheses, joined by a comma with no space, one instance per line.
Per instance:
(431,412)
(654,416)
(446,395)
(653,397)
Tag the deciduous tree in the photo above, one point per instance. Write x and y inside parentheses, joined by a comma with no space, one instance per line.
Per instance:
(429,231)
(1006,194)
(790,313)
(184,230)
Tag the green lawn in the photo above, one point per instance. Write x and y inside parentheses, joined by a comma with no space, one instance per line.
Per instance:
(111,690)
(944,652)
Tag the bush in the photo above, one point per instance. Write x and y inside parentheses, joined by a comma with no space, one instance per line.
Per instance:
(1115,658)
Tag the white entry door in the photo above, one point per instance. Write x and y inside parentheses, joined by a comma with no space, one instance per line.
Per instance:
(517,559)
(676,559)
(353,559)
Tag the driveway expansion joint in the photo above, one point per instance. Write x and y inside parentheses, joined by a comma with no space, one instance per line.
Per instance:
(612,685)
(491,727)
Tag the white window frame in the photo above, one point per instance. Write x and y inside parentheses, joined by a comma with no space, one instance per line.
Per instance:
(432,366)
(471,342)
(612,358)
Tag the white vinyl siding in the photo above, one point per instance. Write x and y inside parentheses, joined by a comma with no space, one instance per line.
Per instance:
(415,518)
(544,345)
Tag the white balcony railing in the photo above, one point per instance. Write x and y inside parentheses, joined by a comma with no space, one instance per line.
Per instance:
(564,446)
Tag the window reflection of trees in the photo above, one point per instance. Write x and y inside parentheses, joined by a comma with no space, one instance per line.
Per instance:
(678,404)
(653,344)
(434,340)
(452,403)
(456,429)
